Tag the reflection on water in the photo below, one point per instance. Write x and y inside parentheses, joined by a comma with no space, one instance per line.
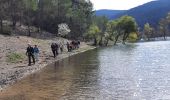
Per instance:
(133,72)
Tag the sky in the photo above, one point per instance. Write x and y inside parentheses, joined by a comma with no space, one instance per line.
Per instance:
(117,4)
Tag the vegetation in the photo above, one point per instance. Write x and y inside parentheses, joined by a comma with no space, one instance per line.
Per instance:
(47,15)
(93,33)
(112,30)
(15,57)
(162,30)
(74,17)
(148,31)
(164,25)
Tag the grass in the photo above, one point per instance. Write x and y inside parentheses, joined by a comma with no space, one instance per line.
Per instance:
(15,57)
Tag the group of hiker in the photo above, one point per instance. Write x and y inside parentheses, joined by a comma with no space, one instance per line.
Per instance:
(73,45)
(55,49)
(33,52)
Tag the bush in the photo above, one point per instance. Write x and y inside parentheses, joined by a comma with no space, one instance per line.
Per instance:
(133,37)
(15,57)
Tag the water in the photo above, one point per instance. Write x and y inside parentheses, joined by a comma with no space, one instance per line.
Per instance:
(133,72)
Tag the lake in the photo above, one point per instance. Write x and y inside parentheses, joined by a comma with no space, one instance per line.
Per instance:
(138,71)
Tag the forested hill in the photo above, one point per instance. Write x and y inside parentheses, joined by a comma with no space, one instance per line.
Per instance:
(108,13)
(150,12)
(46,15)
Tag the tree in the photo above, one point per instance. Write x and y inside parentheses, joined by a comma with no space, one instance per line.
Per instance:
(3,13)
(163,26)
(93,33)
(30,7)
(15,11)
(101,22)
(48,14)
(63,29)
(148,31)
(125,26)
(110,31)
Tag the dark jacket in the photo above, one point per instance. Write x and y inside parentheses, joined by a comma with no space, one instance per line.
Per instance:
(53,47)
(30,50)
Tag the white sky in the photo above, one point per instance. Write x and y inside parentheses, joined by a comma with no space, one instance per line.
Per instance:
(117,4)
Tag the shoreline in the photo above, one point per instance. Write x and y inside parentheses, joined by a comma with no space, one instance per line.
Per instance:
(10,75)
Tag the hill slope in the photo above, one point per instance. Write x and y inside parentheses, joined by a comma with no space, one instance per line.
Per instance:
(108,13)
(150,12)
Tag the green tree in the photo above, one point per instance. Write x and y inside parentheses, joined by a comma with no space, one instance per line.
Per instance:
(125,26)
(148,31)
(93,33)
(110,31)
(101,22)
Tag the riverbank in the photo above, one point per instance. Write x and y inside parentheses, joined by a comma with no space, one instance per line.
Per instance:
(11,47)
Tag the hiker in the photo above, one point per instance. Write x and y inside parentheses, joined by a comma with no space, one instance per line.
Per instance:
(56,48)
(30,54)
(36,53)
(53,49)
(78,44)
(68,46)
(61,47)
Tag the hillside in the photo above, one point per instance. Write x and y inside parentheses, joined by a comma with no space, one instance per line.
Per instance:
(108,13)
(150,12)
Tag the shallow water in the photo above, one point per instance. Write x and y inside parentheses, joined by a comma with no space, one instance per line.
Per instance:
(132,72)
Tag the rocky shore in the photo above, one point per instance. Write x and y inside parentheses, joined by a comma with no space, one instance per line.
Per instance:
(10,71)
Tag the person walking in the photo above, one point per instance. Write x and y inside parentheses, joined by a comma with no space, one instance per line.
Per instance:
(56,49)
(61,47)
(30,54)
(78,44)
(68,46)
(53,49)
(36,53)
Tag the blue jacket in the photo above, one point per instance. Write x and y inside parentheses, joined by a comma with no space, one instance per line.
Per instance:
(36,50)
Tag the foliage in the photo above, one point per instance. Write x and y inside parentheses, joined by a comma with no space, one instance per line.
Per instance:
(148,30)
(93,33)
(108,30)
(63,29)
(133,37)
(125,26)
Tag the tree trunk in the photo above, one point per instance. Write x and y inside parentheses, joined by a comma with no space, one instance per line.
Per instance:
(164,35)
(107,41)
(101,40)
(29,32)
(125,37)
(116,38)
(13,24)
(95,41)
